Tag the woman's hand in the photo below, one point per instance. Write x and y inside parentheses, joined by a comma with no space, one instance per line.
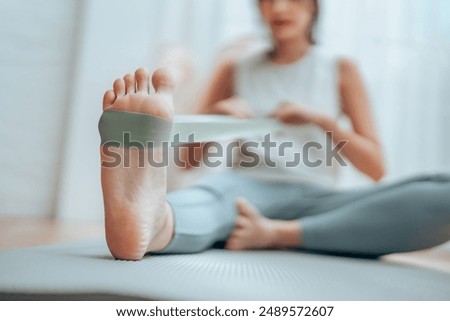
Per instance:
(292,114)
(234,106)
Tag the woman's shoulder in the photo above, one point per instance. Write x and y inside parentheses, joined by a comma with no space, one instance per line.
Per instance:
(347,65)
(324,52)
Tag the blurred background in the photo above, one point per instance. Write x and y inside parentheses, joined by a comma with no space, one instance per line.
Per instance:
(58,57)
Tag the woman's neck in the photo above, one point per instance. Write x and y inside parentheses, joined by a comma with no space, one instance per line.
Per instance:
(287,52)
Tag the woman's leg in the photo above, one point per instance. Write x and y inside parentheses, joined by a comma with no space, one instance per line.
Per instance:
(406,216)
(201,218)
(206,213)
(413,215)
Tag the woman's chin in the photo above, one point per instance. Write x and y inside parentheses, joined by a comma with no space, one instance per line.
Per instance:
(286,33)
(283,37)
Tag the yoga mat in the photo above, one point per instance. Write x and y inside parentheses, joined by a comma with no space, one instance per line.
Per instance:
(86,271)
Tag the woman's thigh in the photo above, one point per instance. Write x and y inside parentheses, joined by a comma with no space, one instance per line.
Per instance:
(416,189)
(277,200)
(287,201)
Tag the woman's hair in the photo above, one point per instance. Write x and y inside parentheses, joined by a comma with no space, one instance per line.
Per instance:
(313,25)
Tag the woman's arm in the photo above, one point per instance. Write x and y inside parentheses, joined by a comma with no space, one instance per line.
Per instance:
(220,87)
(363,148)
(218,99)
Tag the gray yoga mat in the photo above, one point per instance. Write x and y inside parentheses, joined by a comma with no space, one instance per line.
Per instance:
(86,270)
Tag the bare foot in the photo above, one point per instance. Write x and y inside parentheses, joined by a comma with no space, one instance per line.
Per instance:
(137,216)
(254,231)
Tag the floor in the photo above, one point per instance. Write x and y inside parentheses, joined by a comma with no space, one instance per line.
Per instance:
(437,258)
(17,233)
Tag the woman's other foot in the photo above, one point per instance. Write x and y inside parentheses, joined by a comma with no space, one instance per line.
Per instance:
(254,231)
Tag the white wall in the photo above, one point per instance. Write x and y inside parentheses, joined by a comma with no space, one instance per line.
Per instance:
(36,59)
(403,50)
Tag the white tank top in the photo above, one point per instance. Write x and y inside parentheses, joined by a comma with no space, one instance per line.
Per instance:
(311,82)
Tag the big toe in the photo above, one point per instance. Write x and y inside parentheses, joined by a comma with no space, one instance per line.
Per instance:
(163,80)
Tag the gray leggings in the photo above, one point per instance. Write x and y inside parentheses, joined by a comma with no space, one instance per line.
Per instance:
(407,216)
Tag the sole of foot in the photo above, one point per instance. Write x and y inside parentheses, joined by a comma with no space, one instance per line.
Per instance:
(138,219)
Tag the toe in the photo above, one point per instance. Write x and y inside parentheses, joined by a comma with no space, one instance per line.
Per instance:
(246,208)
(109,98)
(232,244)
(130,84)
(119,87)
(142,80)
(163,80)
